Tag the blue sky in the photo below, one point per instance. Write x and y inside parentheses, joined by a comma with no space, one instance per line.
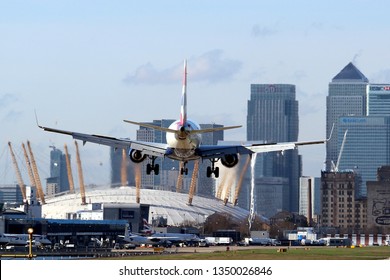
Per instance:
(87,65)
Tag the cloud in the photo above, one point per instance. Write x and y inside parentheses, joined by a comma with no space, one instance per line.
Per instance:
(263,31)
(9,114)
(299,75)
(13,116)
(208,67)
(7,99)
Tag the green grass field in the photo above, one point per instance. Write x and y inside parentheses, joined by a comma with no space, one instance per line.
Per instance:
(293,253)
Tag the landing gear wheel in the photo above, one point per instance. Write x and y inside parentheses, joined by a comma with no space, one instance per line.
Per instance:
(152,167)
(216,172)
(211,169)
(156,169)
(184,171)
(209,172)
(148,168)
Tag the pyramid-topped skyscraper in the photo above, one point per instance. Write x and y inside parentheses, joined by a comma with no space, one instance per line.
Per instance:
(350,74)
(347,96)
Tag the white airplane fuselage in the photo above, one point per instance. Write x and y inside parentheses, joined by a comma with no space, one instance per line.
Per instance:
(23,239)
(184,143)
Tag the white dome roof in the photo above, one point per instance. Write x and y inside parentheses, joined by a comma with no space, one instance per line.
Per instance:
(171,205)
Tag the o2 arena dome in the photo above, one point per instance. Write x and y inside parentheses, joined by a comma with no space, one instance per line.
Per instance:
(171,205)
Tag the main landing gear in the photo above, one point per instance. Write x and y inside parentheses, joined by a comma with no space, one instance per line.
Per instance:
(211,169)
(152,167)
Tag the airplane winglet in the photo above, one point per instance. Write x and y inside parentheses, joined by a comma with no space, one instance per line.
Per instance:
(331,132)
(36,119)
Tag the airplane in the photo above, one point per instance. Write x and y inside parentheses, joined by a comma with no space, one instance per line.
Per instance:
(177,237)
(183,138)
(23,239)
(157,239)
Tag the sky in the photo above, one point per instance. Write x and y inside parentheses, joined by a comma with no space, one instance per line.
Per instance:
(86,66)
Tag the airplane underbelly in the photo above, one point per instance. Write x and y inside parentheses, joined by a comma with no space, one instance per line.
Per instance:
(184,153)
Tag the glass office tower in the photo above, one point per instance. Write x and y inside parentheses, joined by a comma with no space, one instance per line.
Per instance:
(346,97)
(364,110)
(378,100)
(273,117)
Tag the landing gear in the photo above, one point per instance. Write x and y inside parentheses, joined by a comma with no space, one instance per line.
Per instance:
(152,167)
(211,169)
(184,169)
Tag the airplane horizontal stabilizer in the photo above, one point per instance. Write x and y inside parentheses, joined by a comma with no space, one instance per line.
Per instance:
(165,129)
(207,130)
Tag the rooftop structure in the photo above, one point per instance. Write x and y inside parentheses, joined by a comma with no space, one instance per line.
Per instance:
(168,204)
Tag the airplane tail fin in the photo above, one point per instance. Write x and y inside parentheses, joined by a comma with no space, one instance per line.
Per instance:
(183,109)
(147,229)
(183,115)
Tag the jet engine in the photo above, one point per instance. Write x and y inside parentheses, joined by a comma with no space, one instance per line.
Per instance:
(229,160)
(136,156)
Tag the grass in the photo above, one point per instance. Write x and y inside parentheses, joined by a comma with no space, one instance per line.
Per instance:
(293,253)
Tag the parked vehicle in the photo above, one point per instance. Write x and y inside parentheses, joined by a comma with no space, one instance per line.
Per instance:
(203,243)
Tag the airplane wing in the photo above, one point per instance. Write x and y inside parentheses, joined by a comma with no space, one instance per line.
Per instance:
(148,148)
(213,151)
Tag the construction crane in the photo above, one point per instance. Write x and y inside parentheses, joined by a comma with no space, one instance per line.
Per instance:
(335,168)
(81,177)
(36,175)
(194,180)
(69,170)
(18,174)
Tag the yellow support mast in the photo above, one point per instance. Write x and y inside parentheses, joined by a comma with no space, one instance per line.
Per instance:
(18,174)
(69,170)
(29,168)
(194,180)
(36,175)
(179,183)
(81,177)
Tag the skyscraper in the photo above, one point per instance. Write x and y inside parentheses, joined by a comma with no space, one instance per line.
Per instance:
(272,113)
(378,100)
(366,148)
(346,97)
(310,187)
(58,170)
(364,110)
(273,117)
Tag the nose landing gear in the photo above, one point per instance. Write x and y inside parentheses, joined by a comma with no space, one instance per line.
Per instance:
(184,169)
